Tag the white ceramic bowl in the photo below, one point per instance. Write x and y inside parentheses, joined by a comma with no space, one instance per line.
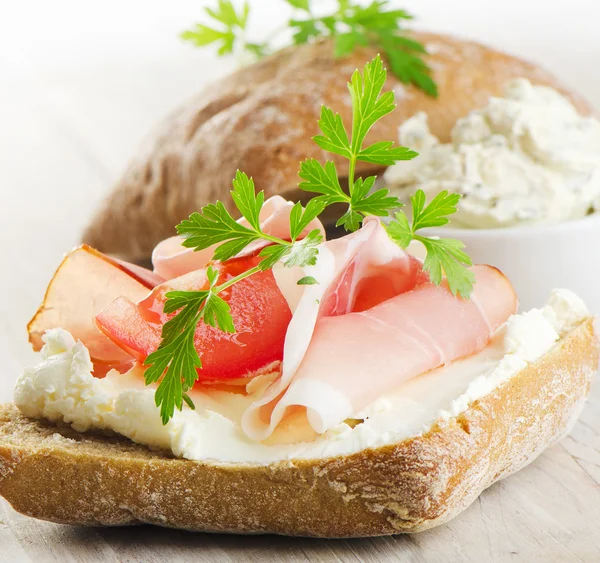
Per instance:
(538,259)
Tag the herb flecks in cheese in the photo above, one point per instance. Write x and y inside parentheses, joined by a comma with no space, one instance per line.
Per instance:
(526,158)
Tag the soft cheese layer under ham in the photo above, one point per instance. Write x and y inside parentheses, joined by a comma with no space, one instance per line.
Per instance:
(373,321)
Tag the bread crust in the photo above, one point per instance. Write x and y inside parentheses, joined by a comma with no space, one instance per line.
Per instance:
(60,475)
(261,119)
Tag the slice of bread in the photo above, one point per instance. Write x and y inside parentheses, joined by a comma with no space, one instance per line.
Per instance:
(261,119)
(57,474)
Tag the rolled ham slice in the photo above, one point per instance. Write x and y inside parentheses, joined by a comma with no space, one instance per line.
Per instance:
(357,344)
(171,259)
(84,283)
(357,271)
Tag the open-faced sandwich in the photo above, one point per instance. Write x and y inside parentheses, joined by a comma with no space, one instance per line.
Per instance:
(264,380)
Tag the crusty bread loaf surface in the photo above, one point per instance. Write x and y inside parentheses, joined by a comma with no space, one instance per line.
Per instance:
(60,475)
(261,120)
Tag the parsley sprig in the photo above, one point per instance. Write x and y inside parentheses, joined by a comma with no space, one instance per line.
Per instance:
(176,361)
(444,256)
(215,225)
(369,105)
(175,364)
(350,24)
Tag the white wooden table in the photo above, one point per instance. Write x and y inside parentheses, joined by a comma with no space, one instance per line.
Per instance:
(80,84)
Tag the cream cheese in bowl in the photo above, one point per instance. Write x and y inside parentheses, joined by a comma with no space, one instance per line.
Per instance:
(526,158)
(528,168)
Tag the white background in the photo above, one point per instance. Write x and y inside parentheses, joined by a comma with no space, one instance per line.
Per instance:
(81,82)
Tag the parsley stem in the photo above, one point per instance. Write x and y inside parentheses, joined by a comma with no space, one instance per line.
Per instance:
(235,279)
(274,239)
(351,169)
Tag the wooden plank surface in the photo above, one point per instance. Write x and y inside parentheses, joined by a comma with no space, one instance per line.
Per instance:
(66,135)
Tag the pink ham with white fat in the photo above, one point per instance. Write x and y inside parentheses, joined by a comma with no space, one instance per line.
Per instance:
(373,321)
(171,259)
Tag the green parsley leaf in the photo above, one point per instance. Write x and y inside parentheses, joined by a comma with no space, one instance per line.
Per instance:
(303,252)
(404,57)
(188,303)
(247,200)
(299,4)
(231,24)
(226,13)
(307,280)
(304,31)
(444,256)
(385,153)
(403,42)
(400,231)
(351,24)
(271,255)
(369,105)
(322,180)
(378,203)
(202,35)
(216,311)
(176,361)
(351,220)
(334,138)
(374,16)
(213,225)
(345,43)
(435,214)
(301,217)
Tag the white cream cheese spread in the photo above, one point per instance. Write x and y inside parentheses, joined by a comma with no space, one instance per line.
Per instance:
(62,388)
(526,158)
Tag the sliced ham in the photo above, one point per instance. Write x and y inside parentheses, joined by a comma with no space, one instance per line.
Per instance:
(171,259)
(355,272)
(362,268)
(84,283)
(378,322)
(146,277)
(371,322)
